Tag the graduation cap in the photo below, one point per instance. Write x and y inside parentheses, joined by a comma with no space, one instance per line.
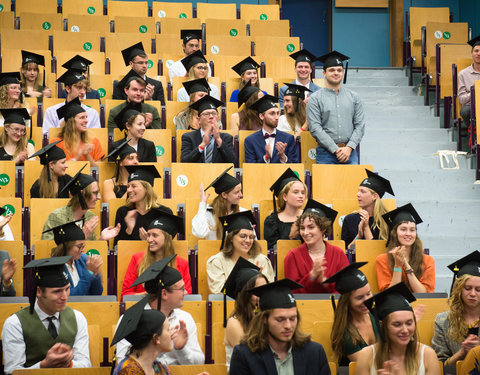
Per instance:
(303,56)
(15,115)
(30,57)
(224,182)
(147,173)
(133,51)
(2,210)
(131,109)
(468,265)
(207,102)
(284,179)
(277,295)
(377,183)
(70,109)
(50,152)
(121,151)
(405,213)
(241,273)
(130,76)
(167,222)
(78,63)
(265,103)
(334,58)
(246,64)
(396,298)
(238,220)
(75,186)
(49,273)
(349,278)
(9,78)
(188,35)
(475,41)
(320,209)
(193,59)
(246,92)
(196,85)
(296,90)
(67,232)
(138,325)
(70,77)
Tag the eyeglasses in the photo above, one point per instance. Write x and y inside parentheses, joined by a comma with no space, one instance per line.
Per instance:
(201,67)
(244,236)
(209,114)
(18,131)
(182,289)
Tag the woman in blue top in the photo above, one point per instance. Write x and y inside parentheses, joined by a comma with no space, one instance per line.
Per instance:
(84,271)
(247,69)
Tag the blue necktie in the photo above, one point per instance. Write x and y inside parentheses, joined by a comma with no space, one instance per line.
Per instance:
(209,151)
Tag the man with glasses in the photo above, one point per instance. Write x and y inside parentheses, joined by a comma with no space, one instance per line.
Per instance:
(136,57)
(207,144)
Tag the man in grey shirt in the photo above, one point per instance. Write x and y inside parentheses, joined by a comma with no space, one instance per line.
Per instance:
(335,115)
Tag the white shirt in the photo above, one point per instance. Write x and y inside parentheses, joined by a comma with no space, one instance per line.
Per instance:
(270,141)
(178,70)
(7,234)
(191,354)
(182,95)
(51,119)
(14,347)
(283,124)
(72,270)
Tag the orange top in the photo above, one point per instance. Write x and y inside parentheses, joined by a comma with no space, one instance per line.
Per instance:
(385,273)
(96,154)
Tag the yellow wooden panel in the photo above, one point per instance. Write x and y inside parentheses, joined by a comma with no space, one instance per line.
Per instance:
(171,10)
(215,369)
(90,8)
(64,371)
(268,28)
(7,178)
(263,12)
(36,6)
(81,41)
(225,27)
(321,333)
(46,22)
(16,251)
(131,8)
(135,25)
(308,146)
(29,40)
(229,45)
(361,3)
(450,54)
(9,309)
(174,25)
(219,11)
(276,46)
(97,58)
(81,23)
(367,251)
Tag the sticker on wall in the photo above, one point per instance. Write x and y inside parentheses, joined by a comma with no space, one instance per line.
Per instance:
(263,17)
(296,174)
(447,35)
(101,92)
(182,15)
(87,46)
(1,8)
(312,154)
(143,29)
(75,29)
(169,63)
(340,220)
(159,150)
(182,180)
(9,210)
(46,25)
(4,179)
(150,64)
(233,32)
(290,47)
(162,14)
(215,50)
(91,10)
(92,252)
(437,34)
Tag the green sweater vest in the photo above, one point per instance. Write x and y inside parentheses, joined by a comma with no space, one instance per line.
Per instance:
(38,340)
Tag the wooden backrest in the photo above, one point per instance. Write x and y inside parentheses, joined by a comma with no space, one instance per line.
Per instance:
(127,24)
(97,58)
(171,10)
(116,42)
(46,22)
(7,19)
(276,66)
(94,344)
(12,63)
(218,331)
(13,206)
(134,9)
(367,251)
(232,28)
(321,333)
(103,84)
(215,369)
(7,178)
(308,146)
(40,6)
(266,208)
(9,309)
(173,108)
(449,54)
(85,7)
(173,26)
(81,41)
(228,45)
(29,39)
(461,63)
(15,251)
(223,67)
(93,23)
(267,28)
(263,12)
(311,310)
(219,11)
(276,46)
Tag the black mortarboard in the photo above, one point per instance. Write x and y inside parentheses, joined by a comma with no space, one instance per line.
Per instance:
(303,56)
(2,210)
(405,213)
(75,186)
(130,76)
(475,41)
(246,92)
(265,103)
(70,77)
(188,35)
(67,232)
(296,90)
(139,325)
(70,109)
(196,85)
(121,151)
(167,222)
(468,265)
(320,209)
(50,152)
(349,278)
(77,63)
(131,52)
(377,183)
(224,182)
(156,273)
(395,298)
(193,59)
(285,178)
(131,109)
(277,295)
(30,57)
(15,115)
(147,173)
(207,102)
(334,58)
(246,64)
(238,220)
(9,77)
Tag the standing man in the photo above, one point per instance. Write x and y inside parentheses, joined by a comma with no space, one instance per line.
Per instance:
(335,115)
(303,69)
(270,145)
(136,57)
(467,78)
(207,144)
(274,343)
(48,334)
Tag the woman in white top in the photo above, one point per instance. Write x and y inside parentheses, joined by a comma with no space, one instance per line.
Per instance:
(295,118)
(5,231)
(398,350)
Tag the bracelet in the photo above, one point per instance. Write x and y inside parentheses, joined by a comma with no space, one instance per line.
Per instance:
(409,271)
(396,269)
(8,285)
(302,129)
(201,148)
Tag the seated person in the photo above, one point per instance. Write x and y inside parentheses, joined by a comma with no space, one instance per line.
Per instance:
(11,95)
(30,76)
(247,69)
(84,271)
(197,67)
(270,145)
(188,118)
(75,139)
(295,117)
(166,289)
(315,260)
(53,177)
(7,270)
(238,241)
(404,259)
(467,78)
(247,118)
(14,144)
(76,86)
(116,187)
(48,333)
(134,87)
(5,231)
(291,193)
(207,144)
(132,122)
(160,234)
(81,65)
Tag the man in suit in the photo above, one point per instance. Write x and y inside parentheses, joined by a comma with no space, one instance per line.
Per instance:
(303,69)
(207,144)
(274,340)
(9,267)
(136,57)
(270,145)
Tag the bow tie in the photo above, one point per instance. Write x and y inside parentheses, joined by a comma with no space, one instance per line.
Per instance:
(266,135)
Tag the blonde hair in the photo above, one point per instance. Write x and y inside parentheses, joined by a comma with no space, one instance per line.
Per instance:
(149,257)
(71,139)
(47,188)
(220,208)
(150,197)
(21,144)
(191,73)
(87,193)
(280,201)
(4,98)
(458,329)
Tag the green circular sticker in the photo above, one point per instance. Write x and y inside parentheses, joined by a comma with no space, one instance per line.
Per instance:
(233,32)
(87,46)
(90,10)
(92,252)
(9,209)
(162,14)
(75,29)
(143,29)
(290,47)
(150,64)
(46,25)
(182,15)
(159,150)
(263,17)
(1,8)
(447,35)
(4,179)
(101,92)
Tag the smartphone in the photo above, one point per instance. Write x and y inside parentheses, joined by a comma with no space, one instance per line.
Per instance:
(473,331)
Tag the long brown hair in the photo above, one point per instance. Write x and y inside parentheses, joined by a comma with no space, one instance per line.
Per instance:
(299,115)
(379,210)
(71,139)
(458,329)
(284,191)
(249,115)
(149,257)
(61,249)
(220,208)
(228,247)
(23,80)
(47,188)
(150,197)
(21,144)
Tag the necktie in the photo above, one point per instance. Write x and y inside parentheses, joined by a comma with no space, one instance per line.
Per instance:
(266,136)
(51,327)
(209,151)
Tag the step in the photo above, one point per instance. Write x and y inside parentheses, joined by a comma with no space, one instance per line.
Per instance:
(398,110)
(402,135)
(374,122)
(383,91)
(368,146)
(393,101)
(420,162)
(382,81)
(369,72)
(442,177)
